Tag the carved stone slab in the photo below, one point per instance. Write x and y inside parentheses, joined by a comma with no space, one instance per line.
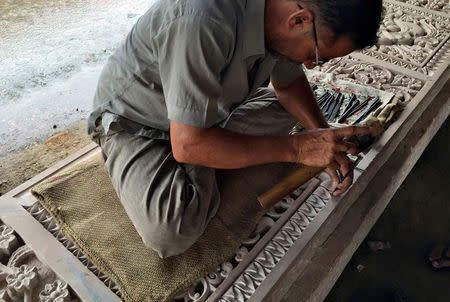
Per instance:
(267,259)
(355,70)
(44,218)
(39,264)
(435,5)
(23,277)
(412,37)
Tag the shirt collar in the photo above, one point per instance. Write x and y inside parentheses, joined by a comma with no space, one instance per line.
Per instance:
(254,40)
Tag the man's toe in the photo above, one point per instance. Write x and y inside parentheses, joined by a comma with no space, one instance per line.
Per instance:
(442,263)
(436,253)
(440,257)
(435,263)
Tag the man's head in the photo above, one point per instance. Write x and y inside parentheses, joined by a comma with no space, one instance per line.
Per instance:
(292,28)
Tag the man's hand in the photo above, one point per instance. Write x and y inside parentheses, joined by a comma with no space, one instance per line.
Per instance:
(327,148)
(345,168)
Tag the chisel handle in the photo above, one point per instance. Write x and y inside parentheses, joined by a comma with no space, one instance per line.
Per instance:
(288,185)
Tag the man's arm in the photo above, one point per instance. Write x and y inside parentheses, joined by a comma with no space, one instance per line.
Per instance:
(220,148)
(298,99)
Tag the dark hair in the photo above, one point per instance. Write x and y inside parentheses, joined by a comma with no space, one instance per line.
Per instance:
(358,18)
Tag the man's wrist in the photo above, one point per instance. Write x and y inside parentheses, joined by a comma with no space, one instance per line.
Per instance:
(295,145)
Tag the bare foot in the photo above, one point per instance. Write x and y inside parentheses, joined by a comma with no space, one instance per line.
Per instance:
(440,257)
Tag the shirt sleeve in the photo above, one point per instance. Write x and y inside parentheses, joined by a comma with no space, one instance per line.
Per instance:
(192,53)
(285,71)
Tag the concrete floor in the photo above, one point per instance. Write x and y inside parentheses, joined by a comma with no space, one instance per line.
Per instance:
(417,218)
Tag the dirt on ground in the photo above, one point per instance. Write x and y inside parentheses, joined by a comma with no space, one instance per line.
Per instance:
(20,167)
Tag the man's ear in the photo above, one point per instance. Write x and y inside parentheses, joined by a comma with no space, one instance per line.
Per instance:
(301,16)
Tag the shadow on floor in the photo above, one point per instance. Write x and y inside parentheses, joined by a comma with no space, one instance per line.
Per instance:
(417,218)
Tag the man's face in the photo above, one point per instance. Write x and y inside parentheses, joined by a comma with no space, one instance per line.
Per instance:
(289,33)
(304,51)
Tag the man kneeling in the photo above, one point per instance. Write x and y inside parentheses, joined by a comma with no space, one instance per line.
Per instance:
(184,95)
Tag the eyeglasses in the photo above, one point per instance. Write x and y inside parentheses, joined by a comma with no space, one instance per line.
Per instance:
(319,62)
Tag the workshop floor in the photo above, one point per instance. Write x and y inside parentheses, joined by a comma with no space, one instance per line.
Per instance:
(417,218)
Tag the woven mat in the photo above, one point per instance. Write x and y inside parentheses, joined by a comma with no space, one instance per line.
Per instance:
(85,206)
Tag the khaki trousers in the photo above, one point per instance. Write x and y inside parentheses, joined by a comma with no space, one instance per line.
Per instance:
(170,204)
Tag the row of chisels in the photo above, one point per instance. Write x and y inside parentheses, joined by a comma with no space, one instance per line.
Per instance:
(331,104)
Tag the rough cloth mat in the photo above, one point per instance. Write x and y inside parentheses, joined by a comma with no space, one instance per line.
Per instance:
(85,206)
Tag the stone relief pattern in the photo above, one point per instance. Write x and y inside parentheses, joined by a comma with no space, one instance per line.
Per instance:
(436,5)
(202,288)
(441,57)
(23,277)
(47,221)
(409,38)
(353,70)
(247,283)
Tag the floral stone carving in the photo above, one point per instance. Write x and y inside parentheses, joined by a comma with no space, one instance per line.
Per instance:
(55,292)
(8,241)
(353,70)
(21,282)
(436,5)
(23,277)
(410,37)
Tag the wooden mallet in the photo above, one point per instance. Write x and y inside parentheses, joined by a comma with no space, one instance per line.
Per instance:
(300,177)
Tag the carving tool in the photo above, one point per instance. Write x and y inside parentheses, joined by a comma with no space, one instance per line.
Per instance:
(353,166)
(337,108)
(333,105)
(360,106)
(323,98)
(357,108)
(288,185)
(301,176)
(377,103)
(330,101)
(325,103)
(350,103)
(345,115)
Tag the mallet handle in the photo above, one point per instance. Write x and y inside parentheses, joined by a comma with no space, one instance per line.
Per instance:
(288,185)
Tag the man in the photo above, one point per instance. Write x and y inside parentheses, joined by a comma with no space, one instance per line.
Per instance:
(182,97)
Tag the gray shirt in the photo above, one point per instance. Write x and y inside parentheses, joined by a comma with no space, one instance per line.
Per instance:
(190,61)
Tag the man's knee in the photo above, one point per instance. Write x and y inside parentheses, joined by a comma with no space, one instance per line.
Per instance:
(167,240)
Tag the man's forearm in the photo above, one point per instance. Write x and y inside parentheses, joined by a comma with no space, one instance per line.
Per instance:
(222,149)
(298,99)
